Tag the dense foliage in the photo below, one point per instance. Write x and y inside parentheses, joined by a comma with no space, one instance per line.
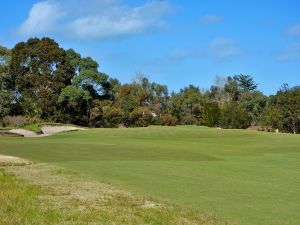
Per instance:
(39,79)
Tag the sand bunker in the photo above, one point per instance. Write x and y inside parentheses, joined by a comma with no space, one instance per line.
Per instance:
(12,161)
(23,132)
(50,130)
(47,130)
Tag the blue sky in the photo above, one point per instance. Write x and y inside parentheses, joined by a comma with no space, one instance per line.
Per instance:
(172,42)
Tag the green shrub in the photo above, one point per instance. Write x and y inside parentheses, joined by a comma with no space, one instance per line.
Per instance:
(235,117)
(141,117)
(211,114)
(167,120)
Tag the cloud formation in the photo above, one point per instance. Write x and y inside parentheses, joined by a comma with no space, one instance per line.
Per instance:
(182,54)
(210,19)
(42,17)
(290,54)
(101,19)
(224,48)
(294,30)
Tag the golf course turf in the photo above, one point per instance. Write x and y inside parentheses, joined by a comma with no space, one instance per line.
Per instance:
(246,177)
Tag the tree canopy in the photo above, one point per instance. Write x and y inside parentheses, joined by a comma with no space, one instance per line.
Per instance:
(40,79)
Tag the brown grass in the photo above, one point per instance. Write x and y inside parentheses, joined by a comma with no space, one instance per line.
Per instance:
(66,198)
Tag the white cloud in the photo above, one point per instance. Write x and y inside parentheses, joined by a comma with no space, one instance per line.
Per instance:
(224,48)
(290,53)
(210,19)
(183,54)
(294,30)
(93,19)
(43,17)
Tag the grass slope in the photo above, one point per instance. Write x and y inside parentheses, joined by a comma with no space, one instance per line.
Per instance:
(42,195)
(246,177)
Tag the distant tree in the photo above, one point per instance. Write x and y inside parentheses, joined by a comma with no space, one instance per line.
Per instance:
(127,100)
(235,116)
(255,104)
(284,110)
(141,117)
(159,99)
(186,106)
(40,79)
(211,114)
(245,82)
(74,103)
(112,116)
(167,119)
(232,88)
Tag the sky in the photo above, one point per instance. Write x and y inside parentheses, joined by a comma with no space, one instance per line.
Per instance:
(172,42)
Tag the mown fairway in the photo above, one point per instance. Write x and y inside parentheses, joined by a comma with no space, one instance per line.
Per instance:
(246,177)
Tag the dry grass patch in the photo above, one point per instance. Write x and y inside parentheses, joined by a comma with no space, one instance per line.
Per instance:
(62,197)
(12,161)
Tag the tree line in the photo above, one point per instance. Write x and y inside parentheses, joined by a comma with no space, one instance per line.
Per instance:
(39,79)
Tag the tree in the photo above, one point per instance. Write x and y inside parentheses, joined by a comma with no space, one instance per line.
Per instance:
(141,117)
(112,116)
(234,116)
(5,59)
(74,103)
(245,82)
(255,104)
(232,88)
(211,114)
(284,110)
(6,95)
(186,106)
(127,100)
(38,72)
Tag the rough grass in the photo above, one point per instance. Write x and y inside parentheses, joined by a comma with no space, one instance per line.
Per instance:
(247,177)
(40,194)
(33,127)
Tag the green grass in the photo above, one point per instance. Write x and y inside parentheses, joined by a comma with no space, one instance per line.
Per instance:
(246,177)
(36,127)
(33,127)
(42,195)
(20,203)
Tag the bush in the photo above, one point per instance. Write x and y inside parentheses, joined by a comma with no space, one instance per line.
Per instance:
(141,117)
(17,121)
(112,116)
(235,117)
(167,120)
(211,114)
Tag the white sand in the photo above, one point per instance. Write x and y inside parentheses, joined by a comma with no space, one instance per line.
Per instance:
(47,130)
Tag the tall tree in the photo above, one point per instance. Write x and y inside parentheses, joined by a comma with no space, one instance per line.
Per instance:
(255,103)
(232,88)
(246,82)
(286,110)
(38,72)
(187,106)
